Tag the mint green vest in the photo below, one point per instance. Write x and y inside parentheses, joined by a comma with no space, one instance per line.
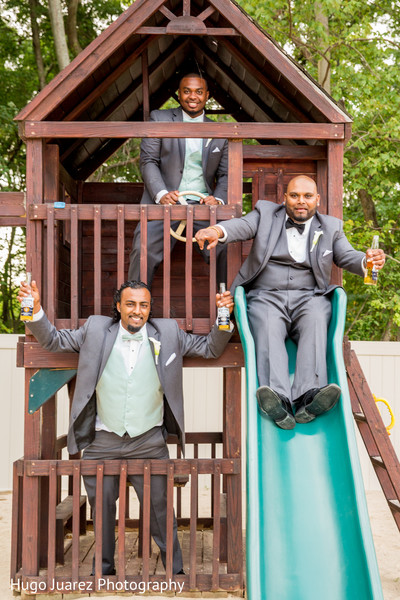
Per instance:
(192,176)
(130,403)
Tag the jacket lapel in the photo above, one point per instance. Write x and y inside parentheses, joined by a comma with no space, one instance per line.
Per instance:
(275,230)
(206,147)
(315,255)
(177,116)
(152,332)
(109,341)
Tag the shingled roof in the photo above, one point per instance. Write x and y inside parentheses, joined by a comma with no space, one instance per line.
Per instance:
(136,63)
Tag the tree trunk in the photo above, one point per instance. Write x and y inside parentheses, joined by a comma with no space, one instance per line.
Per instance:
(72,32)
(7,315)
(324,64)
(57,26)
(36,44)
(368,207)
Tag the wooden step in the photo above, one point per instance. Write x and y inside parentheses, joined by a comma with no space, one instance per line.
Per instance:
(377,461)
(63,517)
(359,417)
(394,505)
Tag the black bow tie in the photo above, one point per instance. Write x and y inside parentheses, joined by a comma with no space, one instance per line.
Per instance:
(290,223)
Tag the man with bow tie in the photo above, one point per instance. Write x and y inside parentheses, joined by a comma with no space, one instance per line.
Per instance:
(173,165)
(287,279)
(128,395)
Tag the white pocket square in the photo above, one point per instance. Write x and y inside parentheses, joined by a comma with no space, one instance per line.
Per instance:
(216,150)
(171,358)
(326,253)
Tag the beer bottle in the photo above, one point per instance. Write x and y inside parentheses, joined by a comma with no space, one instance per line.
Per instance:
(223,315)
(371,276)
(27,303)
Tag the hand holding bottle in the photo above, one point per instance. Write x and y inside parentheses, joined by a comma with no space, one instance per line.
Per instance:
(29,292)
(375,259)
(225,307)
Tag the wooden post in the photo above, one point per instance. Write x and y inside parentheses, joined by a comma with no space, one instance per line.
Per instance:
(48,452)
(34,195)
(30,512)
(235,194)
(335,178)
(335,190)
(232,449)
(30,515)
(322,185)
(51,187)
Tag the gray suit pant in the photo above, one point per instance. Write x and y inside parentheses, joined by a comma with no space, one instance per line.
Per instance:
(155,250)
(276,315)
(151,444)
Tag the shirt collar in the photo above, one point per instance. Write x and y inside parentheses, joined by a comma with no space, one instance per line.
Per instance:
(188,119)
(307,225)
(143,331)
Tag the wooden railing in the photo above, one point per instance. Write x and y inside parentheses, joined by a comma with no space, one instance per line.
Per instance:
(213,575)
(104,217)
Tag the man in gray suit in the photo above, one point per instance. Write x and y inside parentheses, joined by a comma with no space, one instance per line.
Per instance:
(287,278)
(171,165)
(128,395)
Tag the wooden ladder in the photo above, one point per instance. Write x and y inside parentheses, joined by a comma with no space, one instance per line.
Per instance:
(373,432)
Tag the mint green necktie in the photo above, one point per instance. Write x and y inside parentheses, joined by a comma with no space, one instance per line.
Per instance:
(137,337)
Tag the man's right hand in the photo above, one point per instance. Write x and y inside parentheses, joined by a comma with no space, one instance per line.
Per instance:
(25,290)
(170,198)
(209,235)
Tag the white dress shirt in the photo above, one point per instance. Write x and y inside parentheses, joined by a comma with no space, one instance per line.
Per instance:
(297,242)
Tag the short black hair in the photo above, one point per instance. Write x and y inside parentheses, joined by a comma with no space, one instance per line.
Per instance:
(194,74)
(134,285)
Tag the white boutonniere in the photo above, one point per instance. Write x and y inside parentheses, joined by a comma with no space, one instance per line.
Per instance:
(157,346)
(316,237)
(208,141)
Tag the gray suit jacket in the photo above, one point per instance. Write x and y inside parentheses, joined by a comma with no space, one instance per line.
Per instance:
(265,223)
(94,342)
(162,161)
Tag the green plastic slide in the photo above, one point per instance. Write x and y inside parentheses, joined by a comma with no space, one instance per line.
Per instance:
(308,531)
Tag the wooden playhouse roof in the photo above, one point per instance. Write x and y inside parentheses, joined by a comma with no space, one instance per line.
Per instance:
(135,65)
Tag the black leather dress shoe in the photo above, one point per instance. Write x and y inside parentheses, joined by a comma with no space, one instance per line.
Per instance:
(315,402)
(275,406)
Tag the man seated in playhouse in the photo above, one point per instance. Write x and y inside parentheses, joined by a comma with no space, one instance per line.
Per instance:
(287,280)
(128,395)
(173,165)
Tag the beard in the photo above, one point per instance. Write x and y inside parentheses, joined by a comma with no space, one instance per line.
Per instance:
(133,329)
(301,218)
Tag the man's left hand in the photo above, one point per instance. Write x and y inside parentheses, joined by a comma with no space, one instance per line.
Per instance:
(210,201)
(225,299)
(377,256)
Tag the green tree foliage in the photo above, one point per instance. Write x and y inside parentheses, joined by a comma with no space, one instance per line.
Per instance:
(12,255)
(362,46)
